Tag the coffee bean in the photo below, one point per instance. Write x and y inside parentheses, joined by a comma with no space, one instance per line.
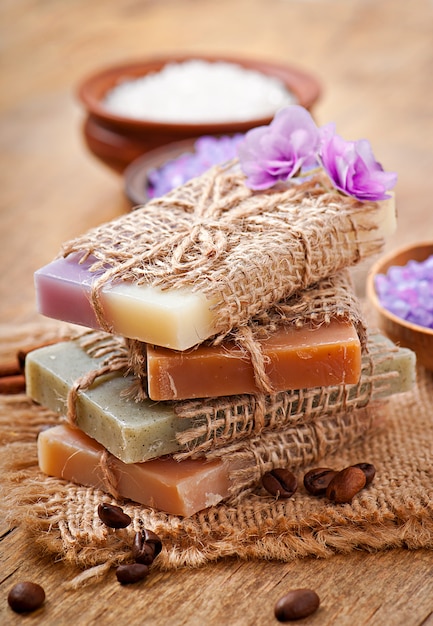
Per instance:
(317,480)
(131,573)
(280,482)
(25,597)
(146,547)
(345,485)
(113,516)
(151,537)
(141,551)
(369,471)
(296,604)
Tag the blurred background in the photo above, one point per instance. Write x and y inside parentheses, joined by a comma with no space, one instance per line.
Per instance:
(373,58)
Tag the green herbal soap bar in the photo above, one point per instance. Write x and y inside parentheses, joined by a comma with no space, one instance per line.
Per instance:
(131,431)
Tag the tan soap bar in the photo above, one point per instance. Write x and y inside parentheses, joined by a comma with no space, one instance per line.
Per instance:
(176,487)
(294,358)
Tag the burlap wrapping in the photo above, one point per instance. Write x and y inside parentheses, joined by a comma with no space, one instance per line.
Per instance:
(332,298)
(243,250)
(395,511)
(222,425)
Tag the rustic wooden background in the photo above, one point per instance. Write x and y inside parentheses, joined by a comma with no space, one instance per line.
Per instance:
(375,60)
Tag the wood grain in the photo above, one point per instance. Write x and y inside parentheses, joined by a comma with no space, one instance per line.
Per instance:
(375,60)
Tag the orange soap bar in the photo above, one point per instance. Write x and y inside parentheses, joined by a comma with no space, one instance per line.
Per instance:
(180,488)
(295,358)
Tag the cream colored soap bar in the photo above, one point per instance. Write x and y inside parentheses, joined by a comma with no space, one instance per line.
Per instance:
(180,488)
(294,358)
(132,431)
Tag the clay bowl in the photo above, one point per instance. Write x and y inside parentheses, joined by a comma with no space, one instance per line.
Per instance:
(118,141)
(136,173)
(417,338)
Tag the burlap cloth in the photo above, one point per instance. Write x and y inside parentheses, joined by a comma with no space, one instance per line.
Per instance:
(395,510)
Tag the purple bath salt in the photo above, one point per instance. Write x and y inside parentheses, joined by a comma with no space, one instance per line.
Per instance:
(208,151)
(407,291)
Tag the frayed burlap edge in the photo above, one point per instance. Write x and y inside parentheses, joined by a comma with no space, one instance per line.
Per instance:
(395,511)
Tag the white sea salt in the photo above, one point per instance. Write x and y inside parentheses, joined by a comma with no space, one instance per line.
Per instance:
(198,91)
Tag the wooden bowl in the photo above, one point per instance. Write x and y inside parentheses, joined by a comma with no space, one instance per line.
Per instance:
(118,140)
(417,338)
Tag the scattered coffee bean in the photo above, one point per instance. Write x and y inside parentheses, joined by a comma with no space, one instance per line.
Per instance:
(280,482)
(369,471)
(25,597)
(345,485)
(151,537)
(296,604)
(141,551)
(113,516)
(131,573)
(317,480)
(146,547)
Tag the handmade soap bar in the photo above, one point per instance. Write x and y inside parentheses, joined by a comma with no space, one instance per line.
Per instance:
(199,263)
(180,488)
(294,358)
(132,431)
(63,292)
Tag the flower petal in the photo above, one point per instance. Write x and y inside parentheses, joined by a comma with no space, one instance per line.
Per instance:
(280,149)
(353,168)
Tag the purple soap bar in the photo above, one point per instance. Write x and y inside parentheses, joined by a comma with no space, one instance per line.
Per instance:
(63,291)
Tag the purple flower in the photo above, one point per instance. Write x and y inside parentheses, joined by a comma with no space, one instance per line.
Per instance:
(278,151)
(352,167)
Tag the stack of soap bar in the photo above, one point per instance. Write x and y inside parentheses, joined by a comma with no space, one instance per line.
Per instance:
(176,487)
(180,488)
(208,259)
(294,358)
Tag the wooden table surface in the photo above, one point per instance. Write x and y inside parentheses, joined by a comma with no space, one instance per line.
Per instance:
(375,61)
